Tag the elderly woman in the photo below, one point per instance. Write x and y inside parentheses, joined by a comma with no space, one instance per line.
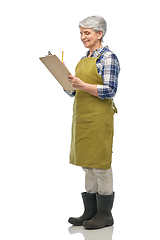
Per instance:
(96,78)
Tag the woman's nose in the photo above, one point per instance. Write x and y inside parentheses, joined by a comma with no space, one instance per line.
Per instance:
(82,37)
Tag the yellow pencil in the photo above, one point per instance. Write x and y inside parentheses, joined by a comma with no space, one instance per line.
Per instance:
(62,56)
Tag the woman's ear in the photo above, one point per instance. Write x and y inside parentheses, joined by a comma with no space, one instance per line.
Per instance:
(100,33)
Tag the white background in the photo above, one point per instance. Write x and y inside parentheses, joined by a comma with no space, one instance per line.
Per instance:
(39,189)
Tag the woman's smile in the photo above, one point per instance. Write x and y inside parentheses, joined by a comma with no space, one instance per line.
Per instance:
(85,42)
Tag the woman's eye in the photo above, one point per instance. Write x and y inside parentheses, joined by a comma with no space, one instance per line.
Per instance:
(85,33)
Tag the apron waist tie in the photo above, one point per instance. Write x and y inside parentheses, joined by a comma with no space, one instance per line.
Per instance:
(114,107)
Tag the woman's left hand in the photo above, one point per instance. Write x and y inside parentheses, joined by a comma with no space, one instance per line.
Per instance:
(76,82)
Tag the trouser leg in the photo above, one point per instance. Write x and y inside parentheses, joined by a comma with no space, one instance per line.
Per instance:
(91,185)
(104,181)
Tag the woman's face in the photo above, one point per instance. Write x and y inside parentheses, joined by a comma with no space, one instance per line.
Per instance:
(90,38)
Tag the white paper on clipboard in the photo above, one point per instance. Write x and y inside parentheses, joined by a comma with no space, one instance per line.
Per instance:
(58,70)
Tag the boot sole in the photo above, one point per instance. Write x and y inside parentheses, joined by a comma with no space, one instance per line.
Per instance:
(96,227)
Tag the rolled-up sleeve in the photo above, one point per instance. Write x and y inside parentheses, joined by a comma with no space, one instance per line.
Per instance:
(109,72)
(71,93)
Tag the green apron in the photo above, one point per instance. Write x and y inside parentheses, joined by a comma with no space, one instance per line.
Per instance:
(92,124)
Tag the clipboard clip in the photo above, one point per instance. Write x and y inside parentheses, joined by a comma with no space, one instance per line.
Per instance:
(49,53)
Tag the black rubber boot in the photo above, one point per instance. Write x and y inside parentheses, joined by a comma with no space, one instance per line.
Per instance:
(90,209)
(103,218)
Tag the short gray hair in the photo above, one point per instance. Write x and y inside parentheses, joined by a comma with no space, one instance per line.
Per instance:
(96,23)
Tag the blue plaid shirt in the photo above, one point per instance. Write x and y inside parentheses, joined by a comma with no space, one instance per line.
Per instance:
(108,68)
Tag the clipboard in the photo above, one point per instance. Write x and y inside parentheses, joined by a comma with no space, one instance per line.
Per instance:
(58,70)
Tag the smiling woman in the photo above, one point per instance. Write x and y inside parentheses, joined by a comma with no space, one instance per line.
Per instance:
(96,78)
